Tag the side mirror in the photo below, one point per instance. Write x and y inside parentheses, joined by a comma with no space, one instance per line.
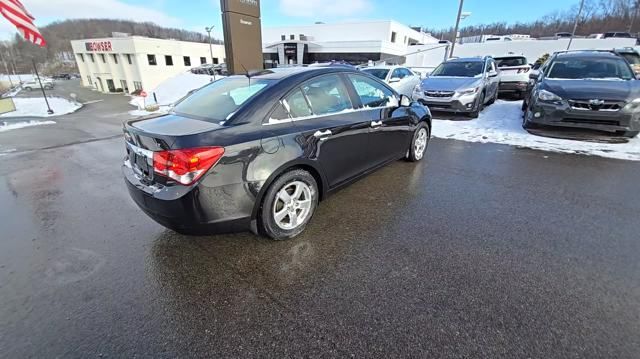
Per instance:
(534,75)
(493,73)
(405,101)
(394,79)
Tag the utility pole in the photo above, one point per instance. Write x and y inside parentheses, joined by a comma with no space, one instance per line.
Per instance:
(575,25)
(635,16)
(455,31)
(208,30)
(6,69)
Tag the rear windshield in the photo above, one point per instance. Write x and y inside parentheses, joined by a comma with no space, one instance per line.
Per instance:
(511,61)
(590,68)
(379,73)
(215,102)
(459,69)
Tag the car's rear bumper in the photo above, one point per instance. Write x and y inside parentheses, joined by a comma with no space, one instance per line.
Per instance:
(192,210)
(565,116)
(513,86)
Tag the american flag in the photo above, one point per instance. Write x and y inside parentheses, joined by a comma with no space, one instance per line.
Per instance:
(15,12)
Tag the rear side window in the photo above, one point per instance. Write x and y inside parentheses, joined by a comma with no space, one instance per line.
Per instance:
(371,92)
(297,105)
(327,95)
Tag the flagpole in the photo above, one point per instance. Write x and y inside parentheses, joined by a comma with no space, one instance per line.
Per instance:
(49,111)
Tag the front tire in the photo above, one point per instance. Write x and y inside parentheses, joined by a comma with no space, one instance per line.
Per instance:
(419,143)
(630,134)
(289,205)
(475,113)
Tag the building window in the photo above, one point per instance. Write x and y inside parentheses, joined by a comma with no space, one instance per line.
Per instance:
(104,59)
(203,60)
(215,61)
(152,60)
(115,58)
(393,36)
(283,37)
(129,59)
(81,57)
(168,60)
(93,59)
(405,39)
(89,80)
(292,37)
(137,85)
(187,61)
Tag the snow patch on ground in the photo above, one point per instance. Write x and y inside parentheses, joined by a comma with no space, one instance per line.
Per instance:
(8,126)
(502,123)
(172,90)
(6,152)
(36,107)
(16,90)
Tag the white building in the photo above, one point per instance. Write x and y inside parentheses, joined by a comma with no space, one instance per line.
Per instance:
(355,42)
(135,62)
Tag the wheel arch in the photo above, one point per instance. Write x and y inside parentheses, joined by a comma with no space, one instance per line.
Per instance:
(309,166)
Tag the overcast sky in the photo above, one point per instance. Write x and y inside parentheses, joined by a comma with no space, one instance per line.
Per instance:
(196,14)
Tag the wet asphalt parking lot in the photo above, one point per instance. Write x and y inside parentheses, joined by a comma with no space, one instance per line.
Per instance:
(481,251)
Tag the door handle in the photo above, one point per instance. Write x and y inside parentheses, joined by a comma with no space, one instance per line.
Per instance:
(322,135)
(376,124)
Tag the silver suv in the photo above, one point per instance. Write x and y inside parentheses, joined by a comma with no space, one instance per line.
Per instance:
(460,85)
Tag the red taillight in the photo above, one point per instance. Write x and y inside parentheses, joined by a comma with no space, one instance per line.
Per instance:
(186,165)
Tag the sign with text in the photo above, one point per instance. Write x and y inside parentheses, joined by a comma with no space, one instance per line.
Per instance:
(98,46)
(242,35)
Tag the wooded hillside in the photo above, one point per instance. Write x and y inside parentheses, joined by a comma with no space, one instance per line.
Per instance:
(18,52)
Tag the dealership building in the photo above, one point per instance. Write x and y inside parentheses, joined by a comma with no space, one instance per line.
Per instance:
(354,42)
(135,62)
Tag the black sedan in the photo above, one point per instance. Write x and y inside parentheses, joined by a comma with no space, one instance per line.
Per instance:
(259,152)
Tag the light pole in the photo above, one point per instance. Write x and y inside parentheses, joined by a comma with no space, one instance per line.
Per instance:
(208,30)
(575,25)
(461,16)
(635,15)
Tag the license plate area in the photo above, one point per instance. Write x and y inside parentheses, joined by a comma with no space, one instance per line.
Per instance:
(141,161)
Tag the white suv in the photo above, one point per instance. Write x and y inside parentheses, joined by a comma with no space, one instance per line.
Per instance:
(514,74)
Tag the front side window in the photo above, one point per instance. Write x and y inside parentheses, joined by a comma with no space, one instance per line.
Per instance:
(327,95)
(590,68)
(152,60)
(372,93)
(216,101)
(459,69)
(397,74)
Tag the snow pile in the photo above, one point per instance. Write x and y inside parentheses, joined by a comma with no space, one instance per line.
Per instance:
(173,89)
(8,126)
(36,107)
(502,123)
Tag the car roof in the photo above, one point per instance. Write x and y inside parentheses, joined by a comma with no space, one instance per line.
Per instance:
(587,53)
(386,67)
(468,59)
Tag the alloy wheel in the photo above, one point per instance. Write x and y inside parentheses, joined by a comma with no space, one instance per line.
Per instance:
(420,144)
(292,205)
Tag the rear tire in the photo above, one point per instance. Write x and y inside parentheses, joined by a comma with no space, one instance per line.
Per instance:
(28,88)
(420,143)
(526,124)
(285,213)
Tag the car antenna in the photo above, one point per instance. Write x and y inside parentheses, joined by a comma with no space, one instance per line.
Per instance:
(246,73)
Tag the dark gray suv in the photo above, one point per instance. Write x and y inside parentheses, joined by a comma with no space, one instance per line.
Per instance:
(585,89)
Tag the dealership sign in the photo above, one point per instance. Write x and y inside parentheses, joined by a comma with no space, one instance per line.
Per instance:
(98,46)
